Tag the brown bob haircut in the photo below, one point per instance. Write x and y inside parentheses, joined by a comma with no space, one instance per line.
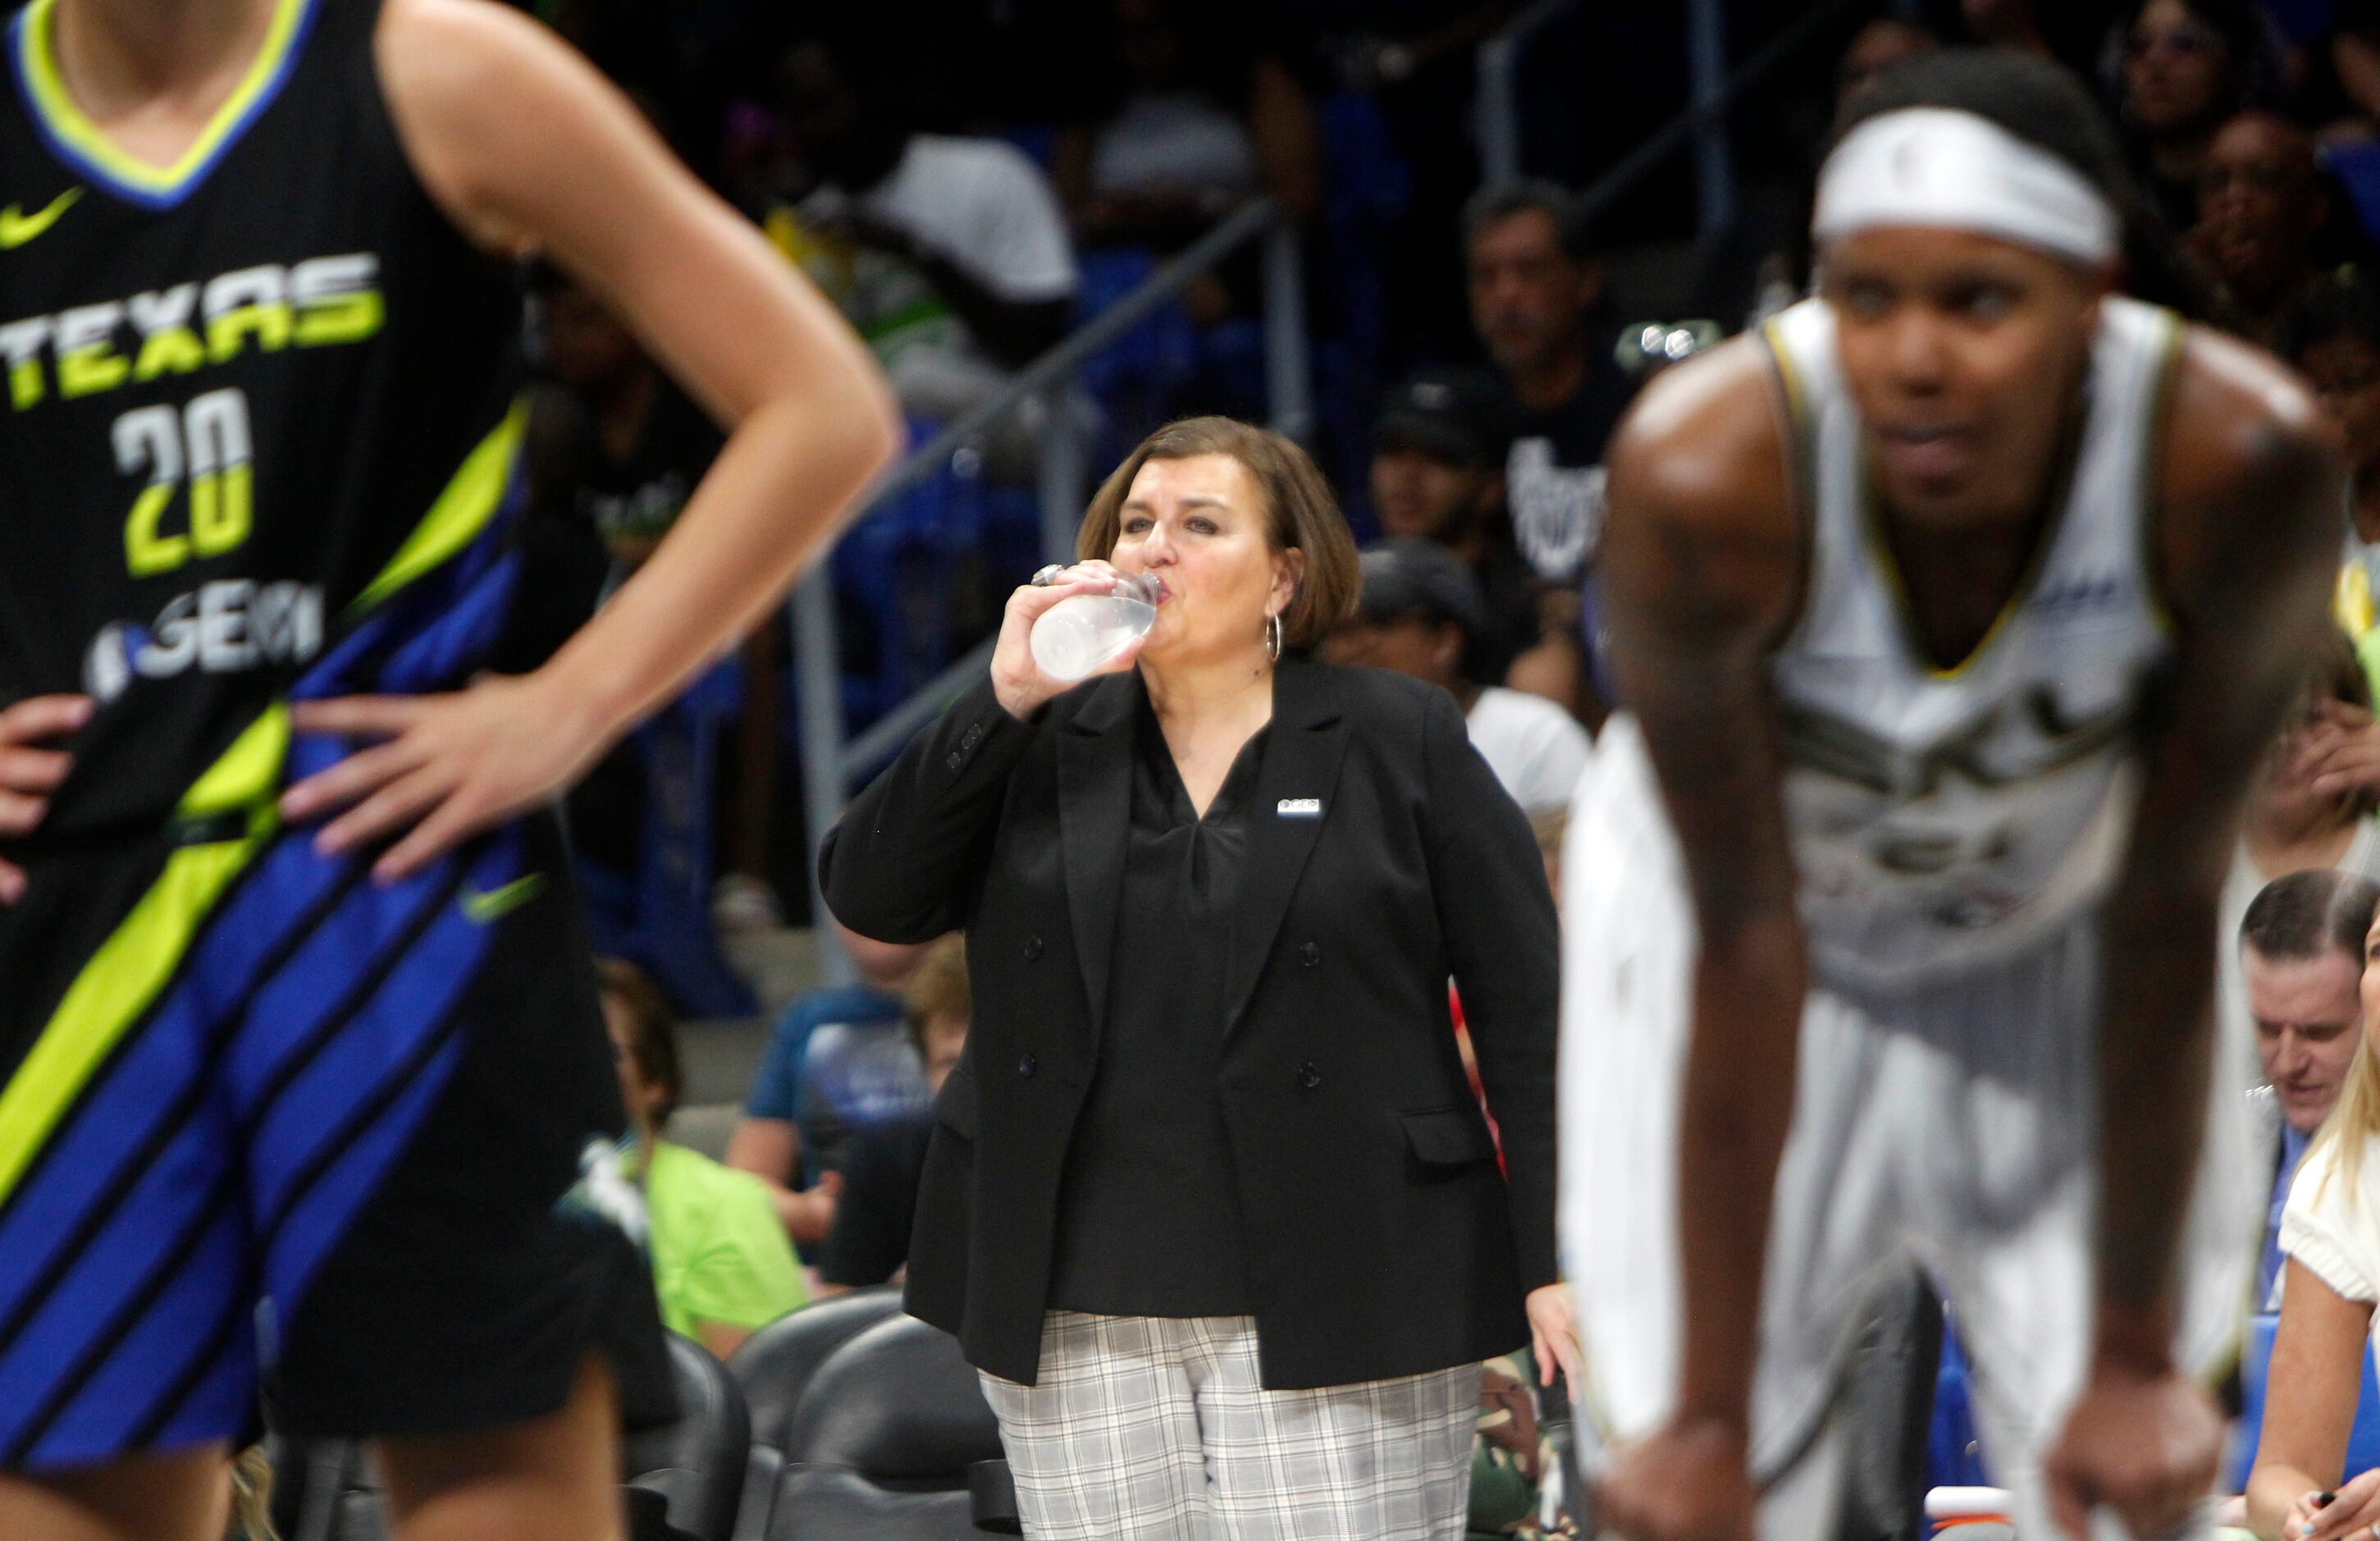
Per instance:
(1300,515)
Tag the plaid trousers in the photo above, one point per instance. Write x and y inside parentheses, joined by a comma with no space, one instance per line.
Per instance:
(1148,1428)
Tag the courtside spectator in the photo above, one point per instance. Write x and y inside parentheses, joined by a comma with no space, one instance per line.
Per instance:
(619,444)
(2310,809)
(2189,67)
(837,1058)
(2330,1279)
(2302,948)
(2348,60)
(722,1266)
(2263,213)
(947,252)
(1507,1455)
(2333,336)
(251,1497)
(1536,300)
(2071,31)
(1437,474)
(884,1162)
(614,451)
(1876,47)
(1419,614)
(1196,118)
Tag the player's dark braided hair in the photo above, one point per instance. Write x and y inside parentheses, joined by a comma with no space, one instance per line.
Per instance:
(2045,106)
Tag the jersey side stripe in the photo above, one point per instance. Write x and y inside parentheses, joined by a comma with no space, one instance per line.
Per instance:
(126,972)
(365,1110)
(469,502)
(129,970)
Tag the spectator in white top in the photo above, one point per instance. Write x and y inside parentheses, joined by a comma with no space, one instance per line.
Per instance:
(948,253)
(2311,809)
(1194,115)
(1420,613)
(2330,1237)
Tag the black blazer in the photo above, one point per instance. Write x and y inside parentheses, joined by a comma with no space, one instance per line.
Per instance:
(1380,1239)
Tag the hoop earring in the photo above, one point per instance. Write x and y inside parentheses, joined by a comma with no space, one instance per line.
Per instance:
(1272,636)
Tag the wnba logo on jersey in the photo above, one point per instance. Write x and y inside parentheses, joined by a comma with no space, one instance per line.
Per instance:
(223,628)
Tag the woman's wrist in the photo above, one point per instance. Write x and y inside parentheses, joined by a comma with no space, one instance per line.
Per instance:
(1017,699)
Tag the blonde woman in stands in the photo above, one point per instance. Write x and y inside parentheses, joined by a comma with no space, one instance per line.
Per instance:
(2331,1239)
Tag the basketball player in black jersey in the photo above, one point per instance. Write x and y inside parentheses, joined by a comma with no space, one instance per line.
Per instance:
(303,1090)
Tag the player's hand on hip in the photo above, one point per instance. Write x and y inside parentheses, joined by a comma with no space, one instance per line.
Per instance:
(29,773)
(1688,1481)
(2353,1509)
(1019,683)
(2143,1443)
(441,769)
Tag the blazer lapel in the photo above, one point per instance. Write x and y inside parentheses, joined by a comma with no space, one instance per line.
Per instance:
(1094,816)
(1295,788)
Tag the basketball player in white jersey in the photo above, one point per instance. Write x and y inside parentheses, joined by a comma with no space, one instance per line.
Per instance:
(1952,612)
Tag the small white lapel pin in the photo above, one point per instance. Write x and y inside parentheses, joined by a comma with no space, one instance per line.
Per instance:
(1299,808)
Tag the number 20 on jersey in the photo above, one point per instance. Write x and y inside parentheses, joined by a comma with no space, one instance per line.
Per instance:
(203,447)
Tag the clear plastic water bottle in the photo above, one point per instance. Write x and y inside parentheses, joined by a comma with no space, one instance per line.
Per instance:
(1076,635)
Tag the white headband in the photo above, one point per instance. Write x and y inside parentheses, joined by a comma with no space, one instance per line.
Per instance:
(1942,169)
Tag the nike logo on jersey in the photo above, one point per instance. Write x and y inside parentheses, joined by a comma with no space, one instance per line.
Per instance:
(18,228)
(482,909)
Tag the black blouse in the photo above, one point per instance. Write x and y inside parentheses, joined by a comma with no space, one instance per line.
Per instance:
(1148,1224)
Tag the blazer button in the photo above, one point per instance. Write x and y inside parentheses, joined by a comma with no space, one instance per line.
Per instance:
(1026,1067)
(1307,1077)
(1032,949)
(1309,954)
(955,759)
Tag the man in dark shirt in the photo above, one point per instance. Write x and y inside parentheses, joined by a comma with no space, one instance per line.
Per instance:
(1536,299)
(883,1162)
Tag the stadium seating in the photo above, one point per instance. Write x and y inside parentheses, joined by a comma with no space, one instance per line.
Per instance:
(1887,1395)
(774,1367)
(882,1440)
(697,1462)
(327,1490)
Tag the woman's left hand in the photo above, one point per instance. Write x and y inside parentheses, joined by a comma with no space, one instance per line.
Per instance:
(2350,1514)
(1553,1335)
(444,768)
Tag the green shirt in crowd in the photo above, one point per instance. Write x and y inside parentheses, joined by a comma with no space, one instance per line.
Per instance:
(720,1253)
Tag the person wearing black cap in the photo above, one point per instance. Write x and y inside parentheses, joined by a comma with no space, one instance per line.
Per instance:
(1437,475)
(1420,613)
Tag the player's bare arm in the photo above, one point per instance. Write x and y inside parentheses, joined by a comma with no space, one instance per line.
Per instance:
(2248,539)
(526,149)
(1704,566)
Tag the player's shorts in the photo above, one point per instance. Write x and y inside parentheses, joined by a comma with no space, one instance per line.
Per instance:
(269,1126)
(1952,1126)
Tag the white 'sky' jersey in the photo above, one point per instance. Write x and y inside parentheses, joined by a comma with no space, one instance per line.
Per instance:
(1945,818)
